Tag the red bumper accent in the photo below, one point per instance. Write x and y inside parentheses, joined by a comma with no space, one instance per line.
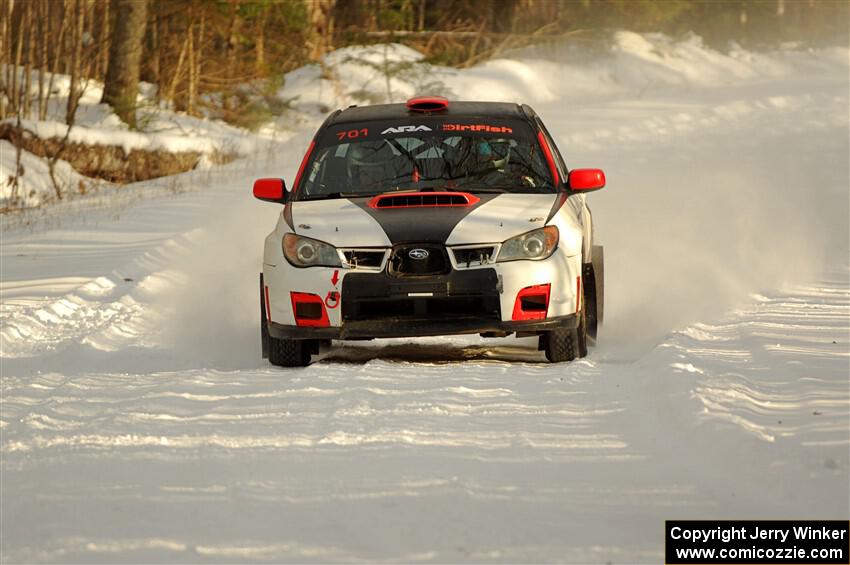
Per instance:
(532,303)
(309,310)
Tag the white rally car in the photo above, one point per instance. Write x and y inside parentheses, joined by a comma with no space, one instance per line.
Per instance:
(431,218)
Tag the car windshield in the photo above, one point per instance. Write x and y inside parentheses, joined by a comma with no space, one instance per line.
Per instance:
(426,162)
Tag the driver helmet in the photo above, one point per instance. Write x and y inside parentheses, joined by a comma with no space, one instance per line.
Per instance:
(366,164)
(496,151)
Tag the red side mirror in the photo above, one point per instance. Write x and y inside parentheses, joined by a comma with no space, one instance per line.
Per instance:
(586,179)
(270,190)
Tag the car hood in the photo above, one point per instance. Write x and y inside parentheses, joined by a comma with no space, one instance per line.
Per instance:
(352,222)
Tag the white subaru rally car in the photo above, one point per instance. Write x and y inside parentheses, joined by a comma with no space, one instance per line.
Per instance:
(431,218)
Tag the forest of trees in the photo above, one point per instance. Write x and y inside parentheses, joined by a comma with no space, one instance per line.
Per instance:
(189,48)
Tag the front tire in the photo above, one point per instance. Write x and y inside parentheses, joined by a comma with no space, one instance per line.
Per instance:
(289,352)
(563,345)
(559,345)
(282,352)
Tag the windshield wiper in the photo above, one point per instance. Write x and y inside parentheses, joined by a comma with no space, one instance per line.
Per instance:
(330,195)
(481,189)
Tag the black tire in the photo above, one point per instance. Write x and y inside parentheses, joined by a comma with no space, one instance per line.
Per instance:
(593,276)
(560,345)
(599,280)
(565,345)
(282,352)
(264,324)
(289,352)
(581,334)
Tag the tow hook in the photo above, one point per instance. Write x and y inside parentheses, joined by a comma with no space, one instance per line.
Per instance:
(332,299)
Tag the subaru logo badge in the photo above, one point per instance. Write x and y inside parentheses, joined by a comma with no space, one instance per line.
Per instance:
(418,254)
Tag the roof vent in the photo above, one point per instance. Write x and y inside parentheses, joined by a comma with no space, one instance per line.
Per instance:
(427,104)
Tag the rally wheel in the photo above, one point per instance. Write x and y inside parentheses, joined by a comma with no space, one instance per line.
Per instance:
(289,352)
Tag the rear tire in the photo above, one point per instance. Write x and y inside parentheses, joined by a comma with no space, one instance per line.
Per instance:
(593,277)
(264,323)
(599,287)
(289,352)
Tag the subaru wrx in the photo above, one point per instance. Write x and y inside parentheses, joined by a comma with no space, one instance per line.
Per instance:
(431,218)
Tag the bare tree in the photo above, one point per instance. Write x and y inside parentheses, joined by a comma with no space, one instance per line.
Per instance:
(57,50)
(125,53)
(76,61)
(320,34)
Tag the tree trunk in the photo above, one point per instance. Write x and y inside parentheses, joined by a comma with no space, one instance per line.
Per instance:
(260,43)
(190,42)
(26,99)
(6,6)
(233,39)
(76,56)
(199,58)
(101,59)
(57,50)
(177,72)
(125,53)
(155,54)
(44,33)
(13,94)
(320,35)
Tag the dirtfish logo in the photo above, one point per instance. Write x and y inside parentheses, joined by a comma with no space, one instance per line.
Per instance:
(405,129)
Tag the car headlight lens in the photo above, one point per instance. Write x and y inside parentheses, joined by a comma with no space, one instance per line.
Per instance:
(306,252)
(535,245)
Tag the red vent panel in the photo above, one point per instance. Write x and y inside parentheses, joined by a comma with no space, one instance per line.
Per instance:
(309,310)
(532,303)
(423,200)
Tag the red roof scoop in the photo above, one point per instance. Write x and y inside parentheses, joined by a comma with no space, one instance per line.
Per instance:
(427,104)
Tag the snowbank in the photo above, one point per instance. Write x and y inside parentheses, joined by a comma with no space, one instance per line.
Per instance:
(160,129)
(34,183)
(632,65)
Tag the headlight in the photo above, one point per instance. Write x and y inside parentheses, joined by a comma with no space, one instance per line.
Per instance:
(535,245)
(306,252)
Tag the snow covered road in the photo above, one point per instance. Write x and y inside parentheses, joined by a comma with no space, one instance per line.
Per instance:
(138,423)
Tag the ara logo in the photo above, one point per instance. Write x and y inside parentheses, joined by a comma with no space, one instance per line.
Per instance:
(405,129)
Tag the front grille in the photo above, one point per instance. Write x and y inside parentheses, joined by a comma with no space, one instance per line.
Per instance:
(474,256)
(458,294)
(433,308)
(418,260)
(364,258)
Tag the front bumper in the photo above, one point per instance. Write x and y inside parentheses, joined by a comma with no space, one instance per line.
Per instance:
(406,327)
(483,293)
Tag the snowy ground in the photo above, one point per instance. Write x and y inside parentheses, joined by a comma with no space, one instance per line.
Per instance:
(138,423)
